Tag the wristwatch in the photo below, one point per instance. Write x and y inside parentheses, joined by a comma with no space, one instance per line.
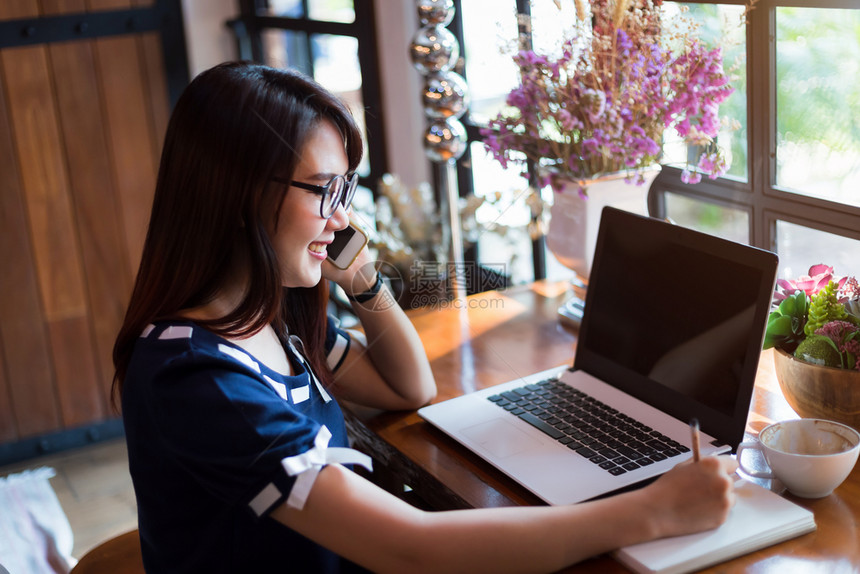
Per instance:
(369,294)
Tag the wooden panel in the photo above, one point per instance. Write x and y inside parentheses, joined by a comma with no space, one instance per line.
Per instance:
(8,426)
(82,399)
(156,82)
(43,175)
(55,7)
(25,346)
(14,9)
(95,5)
(81,127)
(134,165)
(96,204)
(125,95)
(52,228)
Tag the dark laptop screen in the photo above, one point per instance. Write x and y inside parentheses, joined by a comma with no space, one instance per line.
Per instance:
(676,318)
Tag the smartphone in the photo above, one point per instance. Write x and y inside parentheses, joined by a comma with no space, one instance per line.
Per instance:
(346,246)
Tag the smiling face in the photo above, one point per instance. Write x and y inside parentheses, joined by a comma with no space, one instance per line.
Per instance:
(302,235)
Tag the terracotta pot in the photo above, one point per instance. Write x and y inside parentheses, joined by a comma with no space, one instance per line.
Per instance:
(820,392)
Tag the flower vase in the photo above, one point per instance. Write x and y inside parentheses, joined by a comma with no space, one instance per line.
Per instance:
(575,220)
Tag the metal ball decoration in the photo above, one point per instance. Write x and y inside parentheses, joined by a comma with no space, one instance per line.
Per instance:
(435,12)
(434,52)
(445,140)
(434,49)
(445,95)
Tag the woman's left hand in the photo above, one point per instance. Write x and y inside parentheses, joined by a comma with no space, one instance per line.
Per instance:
(357,278)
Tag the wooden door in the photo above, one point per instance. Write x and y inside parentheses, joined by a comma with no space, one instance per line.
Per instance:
(81,125)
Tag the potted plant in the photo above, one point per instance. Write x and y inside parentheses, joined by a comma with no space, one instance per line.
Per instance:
(814,329)
(591,116)
(600,105)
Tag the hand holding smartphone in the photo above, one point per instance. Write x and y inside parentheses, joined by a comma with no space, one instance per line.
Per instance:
(346,246)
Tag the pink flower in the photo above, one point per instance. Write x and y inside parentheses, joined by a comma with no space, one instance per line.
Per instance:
(688,176)
(836,331)
(817,279)
(713,164)
(840,332)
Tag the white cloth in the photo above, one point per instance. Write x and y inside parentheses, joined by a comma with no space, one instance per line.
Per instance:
(35,535)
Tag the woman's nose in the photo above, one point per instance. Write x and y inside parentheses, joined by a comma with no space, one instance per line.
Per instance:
(339,219)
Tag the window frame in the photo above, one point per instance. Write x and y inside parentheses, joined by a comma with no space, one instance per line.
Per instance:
(759,197)
(251,23)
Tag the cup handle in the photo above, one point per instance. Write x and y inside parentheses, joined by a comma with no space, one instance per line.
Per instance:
(754,473)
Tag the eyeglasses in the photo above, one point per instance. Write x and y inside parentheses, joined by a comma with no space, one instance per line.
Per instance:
(338,191)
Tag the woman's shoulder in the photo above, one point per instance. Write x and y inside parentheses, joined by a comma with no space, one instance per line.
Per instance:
(185,347)
(176,334)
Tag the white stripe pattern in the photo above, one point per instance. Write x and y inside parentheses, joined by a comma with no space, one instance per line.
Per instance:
(301,394)
(280,388)
(176,332)
(306,466)
(337,351)
(296,344)
(240,356)
(265,499)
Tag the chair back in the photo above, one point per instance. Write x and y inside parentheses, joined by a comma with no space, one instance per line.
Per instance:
(119,555)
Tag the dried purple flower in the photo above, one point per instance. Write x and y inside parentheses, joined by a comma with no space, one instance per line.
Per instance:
(603,103)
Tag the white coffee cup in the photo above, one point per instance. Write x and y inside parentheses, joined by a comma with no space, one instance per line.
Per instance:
(810,457)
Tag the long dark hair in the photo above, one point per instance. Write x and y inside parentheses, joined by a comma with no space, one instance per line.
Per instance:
(233,128)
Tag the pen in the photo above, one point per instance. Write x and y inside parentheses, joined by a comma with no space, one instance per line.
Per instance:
(694,432)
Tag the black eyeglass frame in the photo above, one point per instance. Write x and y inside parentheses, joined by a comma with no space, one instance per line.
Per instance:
(350,183)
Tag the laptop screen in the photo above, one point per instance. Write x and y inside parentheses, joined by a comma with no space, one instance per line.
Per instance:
(684,350)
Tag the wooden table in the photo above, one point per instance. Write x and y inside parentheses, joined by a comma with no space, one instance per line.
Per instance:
(494,337)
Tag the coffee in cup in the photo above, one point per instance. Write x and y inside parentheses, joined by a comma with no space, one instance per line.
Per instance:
(810,457)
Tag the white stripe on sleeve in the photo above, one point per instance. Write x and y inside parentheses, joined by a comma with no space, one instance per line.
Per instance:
(306,466)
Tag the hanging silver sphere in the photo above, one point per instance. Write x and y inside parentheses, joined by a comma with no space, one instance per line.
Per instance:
(445,140)
(445,95)
(435,12)
(434,49)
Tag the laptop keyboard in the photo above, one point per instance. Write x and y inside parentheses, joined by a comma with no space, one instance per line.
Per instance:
(614,441)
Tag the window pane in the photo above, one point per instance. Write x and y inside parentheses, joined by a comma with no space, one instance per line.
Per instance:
(800,247)
(719,26)
(325,10)
(818,102)
(285,49)
(334,65)
(286,8)
(332,10)
(335,61)
(551,25)
(725,222)
(489,41)
(501,234)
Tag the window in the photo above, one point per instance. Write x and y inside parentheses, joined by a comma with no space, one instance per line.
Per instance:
(795,152)
(334,41)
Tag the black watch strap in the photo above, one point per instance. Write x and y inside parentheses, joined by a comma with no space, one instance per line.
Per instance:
(370,293)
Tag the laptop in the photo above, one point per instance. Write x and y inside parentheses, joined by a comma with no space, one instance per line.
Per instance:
(672,331)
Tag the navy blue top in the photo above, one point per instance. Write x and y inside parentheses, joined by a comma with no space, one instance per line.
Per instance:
(207,427)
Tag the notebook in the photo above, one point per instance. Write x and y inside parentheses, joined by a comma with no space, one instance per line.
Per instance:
(672,330)
(758,519)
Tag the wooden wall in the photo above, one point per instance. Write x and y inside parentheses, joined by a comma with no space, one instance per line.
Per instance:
(81,125)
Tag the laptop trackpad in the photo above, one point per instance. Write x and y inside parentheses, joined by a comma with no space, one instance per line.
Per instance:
(500,438)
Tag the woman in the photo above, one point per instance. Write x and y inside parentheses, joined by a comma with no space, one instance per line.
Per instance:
(227,363)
